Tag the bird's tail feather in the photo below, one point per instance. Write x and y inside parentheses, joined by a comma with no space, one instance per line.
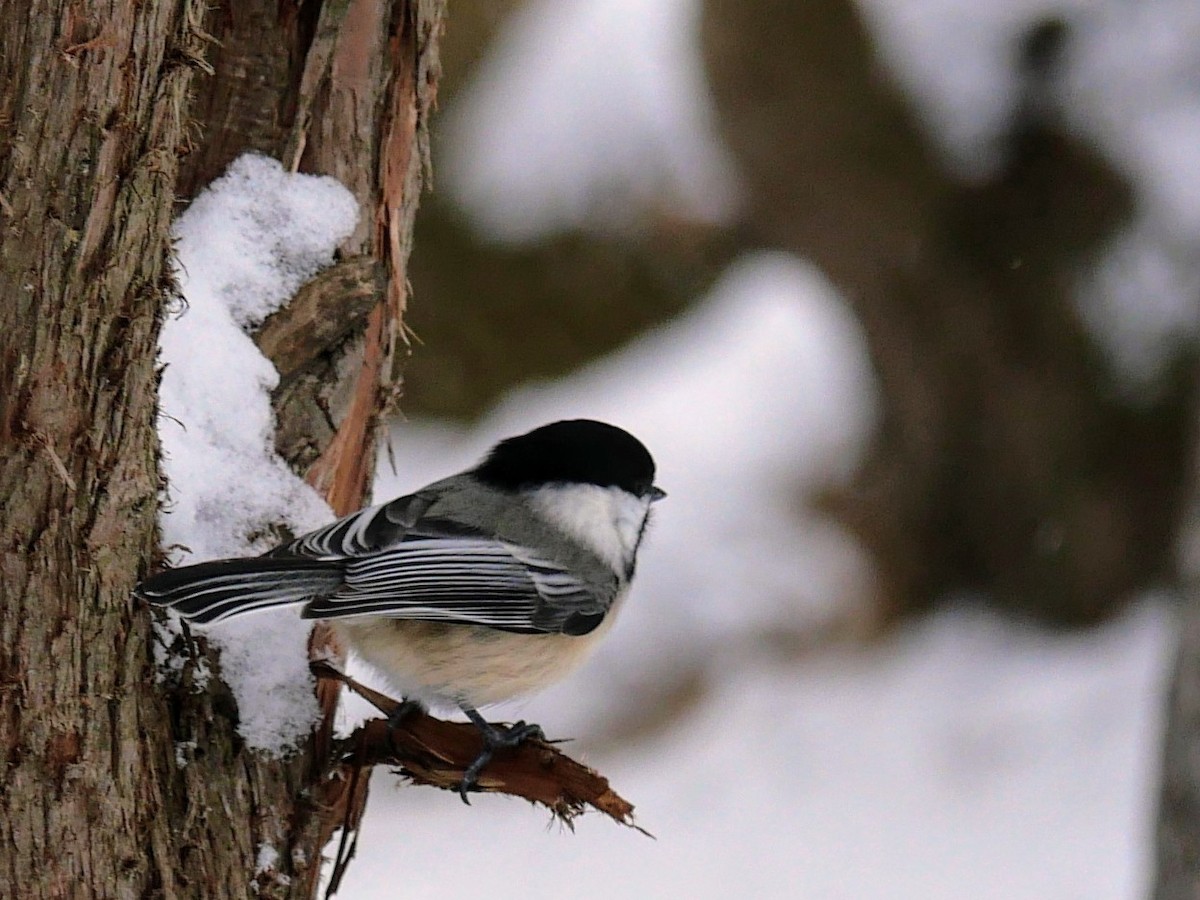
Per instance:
(212,591)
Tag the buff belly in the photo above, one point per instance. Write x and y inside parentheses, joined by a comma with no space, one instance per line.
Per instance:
(455,664)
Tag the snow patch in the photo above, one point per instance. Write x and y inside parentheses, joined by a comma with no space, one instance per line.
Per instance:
(243,247)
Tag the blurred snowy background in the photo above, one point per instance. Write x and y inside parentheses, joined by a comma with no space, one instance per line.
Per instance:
(776,737)
(902,295)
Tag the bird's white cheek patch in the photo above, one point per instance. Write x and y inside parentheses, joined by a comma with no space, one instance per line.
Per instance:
(608,520)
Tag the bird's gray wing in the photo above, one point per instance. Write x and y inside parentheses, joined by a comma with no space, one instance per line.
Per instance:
(401,563)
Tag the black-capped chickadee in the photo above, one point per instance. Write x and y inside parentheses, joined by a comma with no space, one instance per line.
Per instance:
(478,588)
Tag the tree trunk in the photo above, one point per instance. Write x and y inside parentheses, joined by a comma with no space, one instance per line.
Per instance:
(94,106)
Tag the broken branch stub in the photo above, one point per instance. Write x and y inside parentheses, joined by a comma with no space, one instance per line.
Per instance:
(435,752)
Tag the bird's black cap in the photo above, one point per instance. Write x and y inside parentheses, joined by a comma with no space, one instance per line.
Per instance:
(573,451)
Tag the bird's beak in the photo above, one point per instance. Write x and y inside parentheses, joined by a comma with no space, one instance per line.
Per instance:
(656,493)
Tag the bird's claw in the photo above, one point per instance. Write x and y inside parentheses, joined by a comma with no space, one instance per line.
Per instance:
(495,737)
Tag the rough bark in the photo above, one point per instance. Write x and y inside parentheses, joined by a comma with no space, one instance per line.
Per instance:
(1005,460)
(92,98)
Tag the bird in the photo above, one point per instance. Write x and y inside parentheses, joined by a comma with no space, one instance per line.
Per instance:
(478,588)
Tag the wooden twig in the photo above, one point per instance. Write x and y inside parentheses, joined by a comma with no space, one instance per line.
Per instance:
(435,752)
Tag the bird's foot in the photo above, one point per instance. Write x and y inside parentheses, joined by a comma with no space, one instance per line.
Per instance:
(495,737)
